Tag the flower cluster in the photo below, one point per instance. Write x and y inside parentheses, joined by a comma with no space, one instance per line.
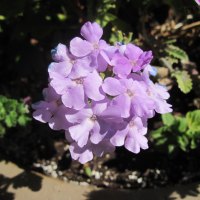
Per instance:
(101,95)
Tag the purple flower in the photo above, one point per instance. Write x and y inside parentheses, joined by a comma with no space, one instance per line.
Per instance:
(129,96)
(51,111)
(92,46)
(134,59)
(74,92)
(68,65)
(157,93)
(131,135)
(91,124)
(87,152)
(98,114)
(59,54)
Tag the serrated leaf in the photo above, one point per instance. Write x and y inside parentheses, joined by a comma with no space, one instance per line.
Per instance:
(177,52)
(168,119)
(184,81)
(193,120)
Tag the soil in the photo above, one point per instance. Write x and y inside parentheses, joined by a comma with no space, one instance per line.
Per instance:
(122,169)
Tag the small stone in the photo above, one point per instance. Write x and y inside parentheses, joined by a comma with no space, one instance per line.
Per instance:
(65,179)
(54,167)
(84,183)
(60,173)
(140,180)
(157,171)
(54,174)
(97,175)
(37,165)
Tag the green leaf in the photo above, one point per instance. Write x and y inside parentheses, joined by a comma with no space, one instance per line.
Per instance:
(2,18)
(105,19)
(182,124)
(193,120)
(23,120)
(158,133)
(184,81)
(87,171)
(168,119)
(183,142)
(177,52)
(61,16)
(171,148)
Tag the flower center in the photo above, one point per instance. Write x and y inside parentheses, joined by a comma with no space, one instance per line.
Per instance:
(129,92)
(79,81)
(58,102)
(133,63)
(149,93)
(96,46)
(93,118)
(131,123)
(72,62)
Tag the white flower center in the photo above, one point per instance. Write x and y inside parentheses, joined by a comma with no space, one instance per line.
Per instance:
(133,62)
(93,118)
(96,46)
(129,92)
(72,62)
(131,123)
(79,81)
(59,102)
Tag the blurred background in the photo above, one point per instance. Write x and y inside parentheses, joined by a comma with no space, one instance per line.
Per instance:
(29,29)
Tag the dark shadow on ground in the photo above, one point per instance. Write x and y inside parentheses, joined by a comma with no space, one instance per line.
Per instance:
(24,179)
(146,194)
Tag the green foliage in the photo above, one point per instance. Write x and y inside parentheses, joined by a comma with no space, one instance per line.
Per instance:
(100,11)
(178,132)
(12,113)
(177,53)
(87,171)
(184,80)
(174,55)
(119,36)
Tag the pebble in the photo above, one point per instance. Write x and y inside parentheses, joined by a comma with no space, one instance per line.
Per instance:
(60,173)
(97,175)
(37,165)
(157,171)
(74,182)
(106,183)
(66,147)
(133,176)
(54,174)
(65,179)
(140,180)
(83,183)
(54,167)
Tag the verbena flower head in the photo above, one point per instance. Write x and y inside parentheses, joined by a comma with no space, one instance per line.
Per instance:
(98,114)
